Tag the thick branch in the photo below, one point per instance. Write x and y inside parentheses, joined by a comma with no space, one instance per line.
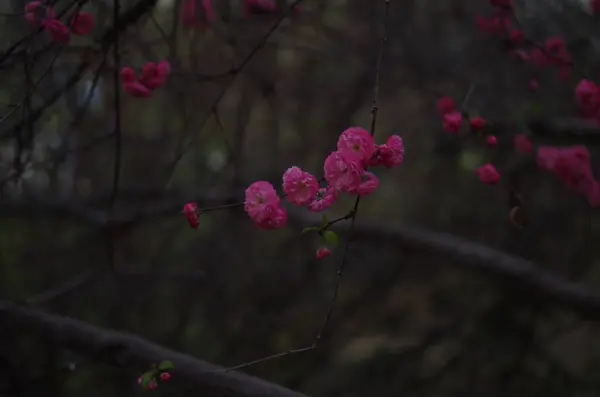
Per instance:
(131,351)
(513,271)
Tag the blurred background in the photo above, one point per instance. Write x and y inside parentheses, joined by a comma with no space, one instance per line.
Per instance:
(407,321)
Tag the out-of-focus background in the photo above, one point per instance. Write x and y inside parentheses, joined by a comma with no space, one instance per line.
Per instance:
(407,322)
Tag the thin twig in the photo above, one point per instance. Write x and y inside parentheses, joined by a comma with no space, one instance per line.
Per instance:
(352,214)
(61,289)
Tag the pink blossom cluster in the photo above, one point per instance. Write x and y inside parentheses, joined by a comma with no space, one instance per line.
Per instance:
(571,166)
(553,52)
(345,171)
(153,384)
(194,17)
(37,14)
(453,119)
(587,94)
(152,77)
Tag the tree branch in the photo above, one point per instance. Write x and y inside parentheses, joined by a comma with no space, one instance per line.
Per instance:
(515,272)
(131,351)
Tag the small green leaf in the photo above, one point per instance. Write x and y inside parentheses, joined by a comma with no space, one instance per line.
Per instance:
(310,229)
(331,238)
(147,378)
(325,219)
(166,366)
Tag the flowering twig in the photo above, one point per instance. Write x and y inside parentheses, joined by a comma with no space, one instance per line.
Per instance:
(351,215)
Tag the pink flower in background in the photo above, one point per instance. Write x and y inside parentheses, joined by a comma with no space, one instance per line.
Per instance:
(488,174)
(522,144)
(127,75)
(190,210)
(82,23)
(188,13)
(137,90)
(452,122)
(58,31)
(323,252)
(445,105)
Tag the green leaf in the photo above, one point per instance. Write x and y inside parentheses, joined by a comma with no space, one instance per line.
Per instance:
(325,219)
(331,238)
(166,366)
(147,378)
(310,229)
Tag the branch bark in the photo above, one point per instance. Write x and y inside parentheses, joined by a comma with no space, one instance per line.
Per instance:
(131,351)
(512,272)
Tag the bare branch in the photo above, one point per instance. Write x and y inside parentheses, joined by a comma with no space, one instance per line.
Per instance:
(514,272)
(130,351)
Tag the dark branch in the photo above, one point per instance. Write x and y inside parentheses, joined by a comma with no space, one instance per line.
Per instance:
(130,351)
(514,271)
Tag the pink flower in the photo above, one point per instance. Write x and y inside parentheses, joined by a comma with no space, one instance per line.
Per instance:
(127,75)
(477,123)
(299,186)
(137,90)
(539,58)
(357,141)
(82,23)
(572,167)
(323,252)
(190,210)
(369,185)
(452,122)
(324,199)
(516,36)
(586,92)
(149,77)
(32,6)
(522,144)
(445,105)
(209,12)
(152,385)
(30,17)
(546,157)
(163,69)
(261,201)
(343,171)
(188,13)
(276,219)
(165,376)
(57,30)
(392,154)
(491,140)
(488,174)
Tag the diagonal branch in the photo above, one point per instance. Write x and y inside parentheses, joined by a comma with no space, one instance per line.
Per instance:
(130,351)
